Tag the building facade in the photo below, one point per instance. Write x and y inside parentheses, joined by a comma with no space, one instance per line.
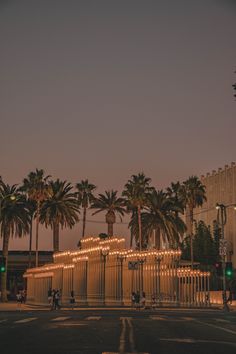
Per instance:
(104,272)
(221,188)
(18,262)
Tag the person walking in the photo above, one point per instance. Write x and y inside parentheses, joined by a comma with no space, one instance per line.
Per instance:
(133,298)
(143,300)
(50,297)
(137,300)
(53,307)
(57,299)
(72,299)
(19,300)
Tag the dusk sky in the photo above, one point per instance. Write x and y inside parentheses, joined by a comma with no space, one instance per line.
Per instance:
(105,89)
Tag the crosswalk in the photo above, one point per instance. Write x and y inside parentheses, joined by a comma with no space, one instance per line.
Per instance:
(64,319)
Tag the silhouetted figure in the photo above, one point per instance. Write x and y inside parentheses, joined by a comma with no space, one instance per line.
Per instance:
(72,299)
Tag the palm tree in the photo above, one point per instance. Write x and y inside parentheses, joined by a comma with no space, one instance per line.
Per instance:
(14,220)
(136,192)
(85,197)
(36,187)
(31,206)
(161,216)
(174,192)
(113,205)
(61,208)
(193,194)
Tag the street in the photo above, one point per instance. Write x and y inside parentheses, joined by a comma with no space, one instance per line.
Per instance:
(117,331)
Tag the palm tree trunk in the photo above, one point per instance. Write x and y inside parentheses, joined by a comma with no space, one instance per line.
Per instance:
(84,221)
(131,239)
(139,228)
(56,237)
(5,245)
(37,236)
(110,229)
(158,238)
(30,241)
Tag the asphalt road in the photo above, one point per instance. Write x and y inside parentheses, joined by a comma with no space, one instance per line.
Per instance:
(100,331)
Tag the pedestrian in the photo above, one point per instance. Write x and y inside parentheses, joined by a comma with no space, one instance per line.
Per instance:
(72,299)
(137,300)
(230,298)
(19,300)
(143,300)
(53,307)
(57,299)
(133,298)
(154,301)
(24,294)
(50,297)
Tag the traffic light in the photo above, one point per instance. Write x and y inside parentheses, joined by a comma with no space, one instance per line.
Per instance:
(218,267)
(2,264)
(228,269)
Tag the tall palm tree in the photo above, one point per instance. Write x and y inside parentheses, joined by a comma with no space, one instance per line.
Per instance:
(136,191)
(193,194)
(161,216)
(85,197)
(113,205)
(174,192)
(31,206)
(61,208)
(36,187)
(14,220)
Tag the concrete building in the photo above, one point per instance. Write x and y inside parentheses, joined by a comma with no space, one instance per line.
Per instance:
(221,188)
(104,272)
(18,262)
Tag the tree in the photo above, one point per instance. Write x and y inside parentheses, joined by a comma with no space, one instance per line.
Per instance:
(205,248)
(14,221)
(85,197)
(36,187)
(61,208)
(161,216)
(216,237)
(174,192)
(193,194)
(113,205)
(31,206)
(135,192)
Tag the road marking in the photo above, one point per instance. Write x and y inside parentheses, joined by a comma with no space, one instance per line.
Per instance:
(60,319)
(25,320)
(159,318)
(66,324)
(131,335)
(218,327)
(93,318)
(192,341)
(221,320)
(179,340)
(123,336)
(1,321)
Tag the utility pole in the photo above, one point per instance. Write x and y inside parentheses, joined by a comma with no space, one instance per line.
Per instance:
(221,219)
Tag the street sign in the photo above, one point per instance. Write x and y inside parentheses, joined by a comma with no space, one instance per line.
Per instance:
(223,247)
(222,251)
(133,265)
(223,243)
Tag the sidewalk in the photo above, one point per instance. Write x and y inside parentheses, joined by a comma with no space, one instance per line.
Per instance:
(13,306)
